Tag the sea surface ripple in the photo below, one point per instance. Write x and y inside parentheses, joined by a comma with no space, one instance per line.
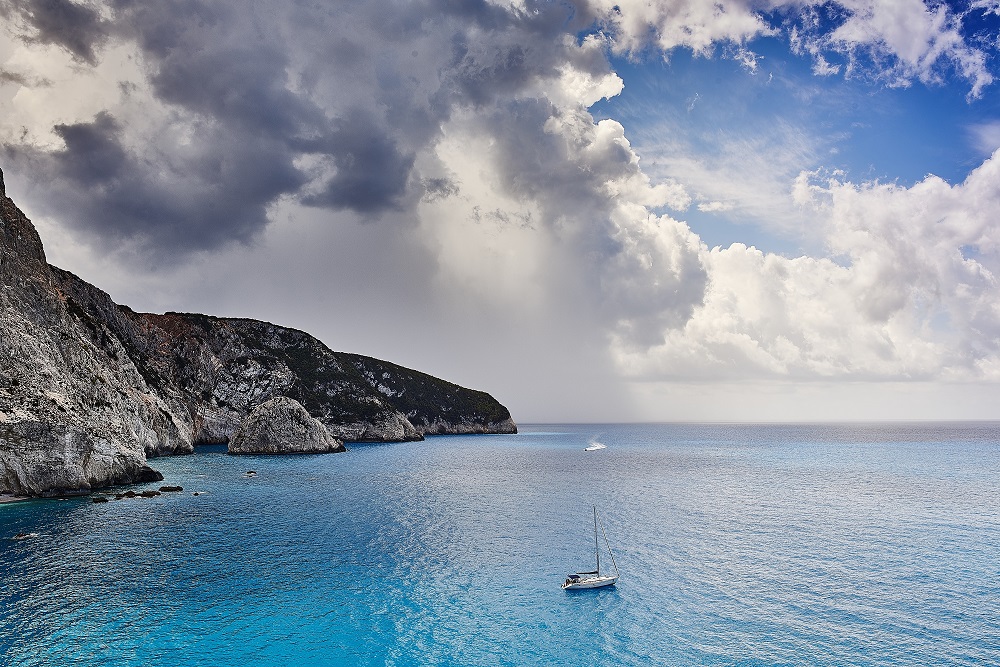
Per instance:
(866,544)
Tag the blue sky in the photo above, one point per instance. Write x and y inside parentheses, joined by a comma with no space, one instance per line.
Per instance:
(865,129)
(596,211)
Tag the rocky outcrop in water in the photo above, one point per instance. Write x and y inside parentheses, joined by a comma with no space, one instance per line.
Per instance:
(89,389)
(282,426)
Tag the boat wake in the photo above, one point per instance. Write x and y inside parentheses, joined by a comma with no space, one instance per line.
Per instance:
(594,446)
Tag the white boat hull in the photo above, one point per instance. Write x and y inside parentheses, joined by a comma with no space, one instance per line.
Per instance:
(590,582)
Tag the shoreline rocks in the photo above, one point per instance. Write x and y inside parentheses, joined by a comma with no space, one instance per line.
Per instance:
(282,426)
(90,389)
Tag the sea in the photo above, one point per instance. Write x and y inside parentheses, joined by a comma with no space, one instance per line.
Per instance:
(741,545)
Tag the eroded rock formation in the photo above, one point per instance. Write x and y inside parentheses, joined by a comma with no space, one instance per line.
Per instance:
(89,389)
(282,426)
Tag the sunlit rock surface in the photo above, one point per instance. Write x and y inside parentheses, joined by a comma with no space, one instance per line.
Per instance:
(89,389)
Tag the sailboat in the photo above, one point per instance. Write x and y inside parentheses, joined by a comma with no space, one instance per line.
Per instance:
(594,579)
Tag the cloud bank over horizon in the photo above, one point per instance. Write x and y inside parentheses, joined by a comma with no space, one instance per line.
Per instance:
(438,169)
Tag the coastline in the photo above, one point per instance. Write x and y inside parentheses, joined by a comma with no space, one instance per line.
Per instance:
(4,498)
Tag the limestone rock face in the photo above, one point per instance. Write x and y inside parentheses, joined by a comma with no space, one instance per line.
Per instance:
(228,366)
(281,426)
(89,389)
(432,405)
(74,412)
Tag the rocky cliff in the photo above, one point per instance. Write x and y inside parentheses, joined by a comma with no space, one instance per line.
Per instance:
(89,389)
(282,426)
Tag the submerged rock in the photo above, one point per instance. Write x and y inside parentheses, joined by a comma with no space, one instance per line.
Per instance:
(282,426)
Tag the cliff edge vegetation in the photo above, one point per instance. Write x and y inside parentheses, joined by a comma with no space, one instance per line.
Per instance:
(90,389)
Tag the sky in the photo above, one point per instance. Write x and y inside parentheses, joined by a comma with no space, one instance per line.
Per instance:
(595,210)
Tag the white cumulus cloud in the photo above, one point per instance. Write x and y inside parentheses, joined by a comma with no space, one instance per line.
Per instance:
(432,170)
(911,291)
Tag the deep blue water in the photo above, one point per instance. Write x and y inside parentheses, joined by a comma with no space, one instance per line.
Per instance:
(737,545)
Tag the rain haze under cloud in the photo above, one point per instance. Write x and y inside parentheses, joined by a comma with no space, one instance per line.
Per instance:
(595,211)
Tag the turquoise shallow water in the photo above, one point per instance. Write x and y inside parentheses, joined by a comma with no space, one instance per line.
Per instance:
(738,545)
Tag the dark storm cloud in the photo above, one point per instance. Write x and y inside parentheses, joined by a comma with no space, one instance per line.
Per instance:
(229,97)
(371,170)
(93,153)
(217,195)
(521,47)
(211,62)
(77,28)
(480,80)
(352,90)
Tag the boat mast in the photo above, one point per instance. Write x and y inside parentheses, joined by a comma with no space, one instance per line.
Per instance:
(608,544)
(597,550)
